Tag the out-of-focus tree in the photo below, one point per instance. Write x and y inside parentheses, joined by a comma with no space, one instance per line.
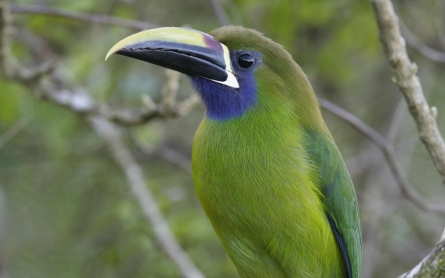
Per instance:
(66,209)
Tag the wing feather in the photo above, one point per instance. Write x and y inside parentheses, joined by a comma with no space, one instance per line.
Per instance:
(339,198)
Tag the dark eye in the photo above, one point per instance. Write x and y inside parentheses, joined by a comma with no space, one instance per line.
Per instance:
(246,60)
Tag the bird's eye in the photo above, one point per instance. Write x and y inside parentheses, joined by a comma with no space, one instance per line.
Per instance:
(246,61)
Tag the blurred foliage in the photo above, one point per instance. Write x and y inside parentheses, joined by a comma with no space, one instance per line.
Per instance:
(66,208)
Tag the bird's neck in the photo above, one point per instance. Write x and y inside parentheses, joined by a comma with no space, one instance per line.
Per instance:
(223,102)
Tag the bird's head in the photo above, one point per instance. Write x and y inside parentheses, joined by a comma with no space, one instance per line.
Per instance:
(233,69)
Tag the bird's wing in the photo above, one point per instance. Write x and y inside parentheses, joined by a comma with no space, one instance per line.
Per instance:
(339,198)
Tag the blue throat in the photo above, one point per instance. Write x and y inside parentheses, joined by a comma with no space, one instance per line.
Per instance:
(223,102)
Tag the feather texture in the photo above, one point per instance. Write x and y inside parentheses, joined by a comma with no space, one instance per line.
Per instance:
(268,176)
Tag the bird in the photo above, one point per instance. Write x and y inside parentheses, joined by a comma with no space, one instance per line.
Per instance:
(265,167)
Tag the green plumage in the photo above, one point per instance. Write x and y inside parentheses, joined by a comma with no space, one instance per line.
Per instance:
(269,179)
(265,166)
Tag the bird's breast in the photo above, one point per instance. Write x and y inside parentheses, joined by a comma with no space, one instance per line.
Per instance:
(256,186)
(244,173)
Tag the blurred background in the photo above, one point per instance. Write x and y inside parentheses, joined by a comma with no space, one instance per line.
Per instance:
(65,206)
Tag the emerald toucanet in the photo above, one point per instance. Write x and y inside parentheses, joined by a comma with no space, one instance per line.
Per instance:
(265,166)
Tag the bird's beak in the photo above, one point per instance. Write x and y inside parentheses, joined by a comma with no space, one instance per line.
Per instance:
(185,50)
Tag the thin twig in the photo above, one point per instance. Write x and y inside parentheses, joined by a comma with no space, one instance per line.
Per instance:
(440,28)
(355,122)
(170,90)
(388,152)
(174,157)
(8,66)
(381,201)
(219,11)
(92,18)
(12,132)
(406,79)
(70,98)
(35,73)
(5,262)
(399,114)
(188,104)
(430,53)
(79,101)
(133,171)
(168,154)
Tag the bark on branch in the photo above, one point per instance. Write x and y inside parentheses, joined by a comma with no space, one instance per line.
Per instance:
(135,177)
(92,18)
(406,79)
(404,75)
(431,266)
(55,89)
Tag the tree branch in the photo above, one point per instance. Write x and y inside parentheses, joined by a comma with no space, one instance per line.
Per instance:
(75,100)
(381,200)
(99,115)
(388,152)
(4,258)
(133,171)
(170,90)
(168,154)
(79,101)
(430,53)
(12,132)
(219,11)
(433,265)
(406,79)
(8,65)
(92,18)
(440,22)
